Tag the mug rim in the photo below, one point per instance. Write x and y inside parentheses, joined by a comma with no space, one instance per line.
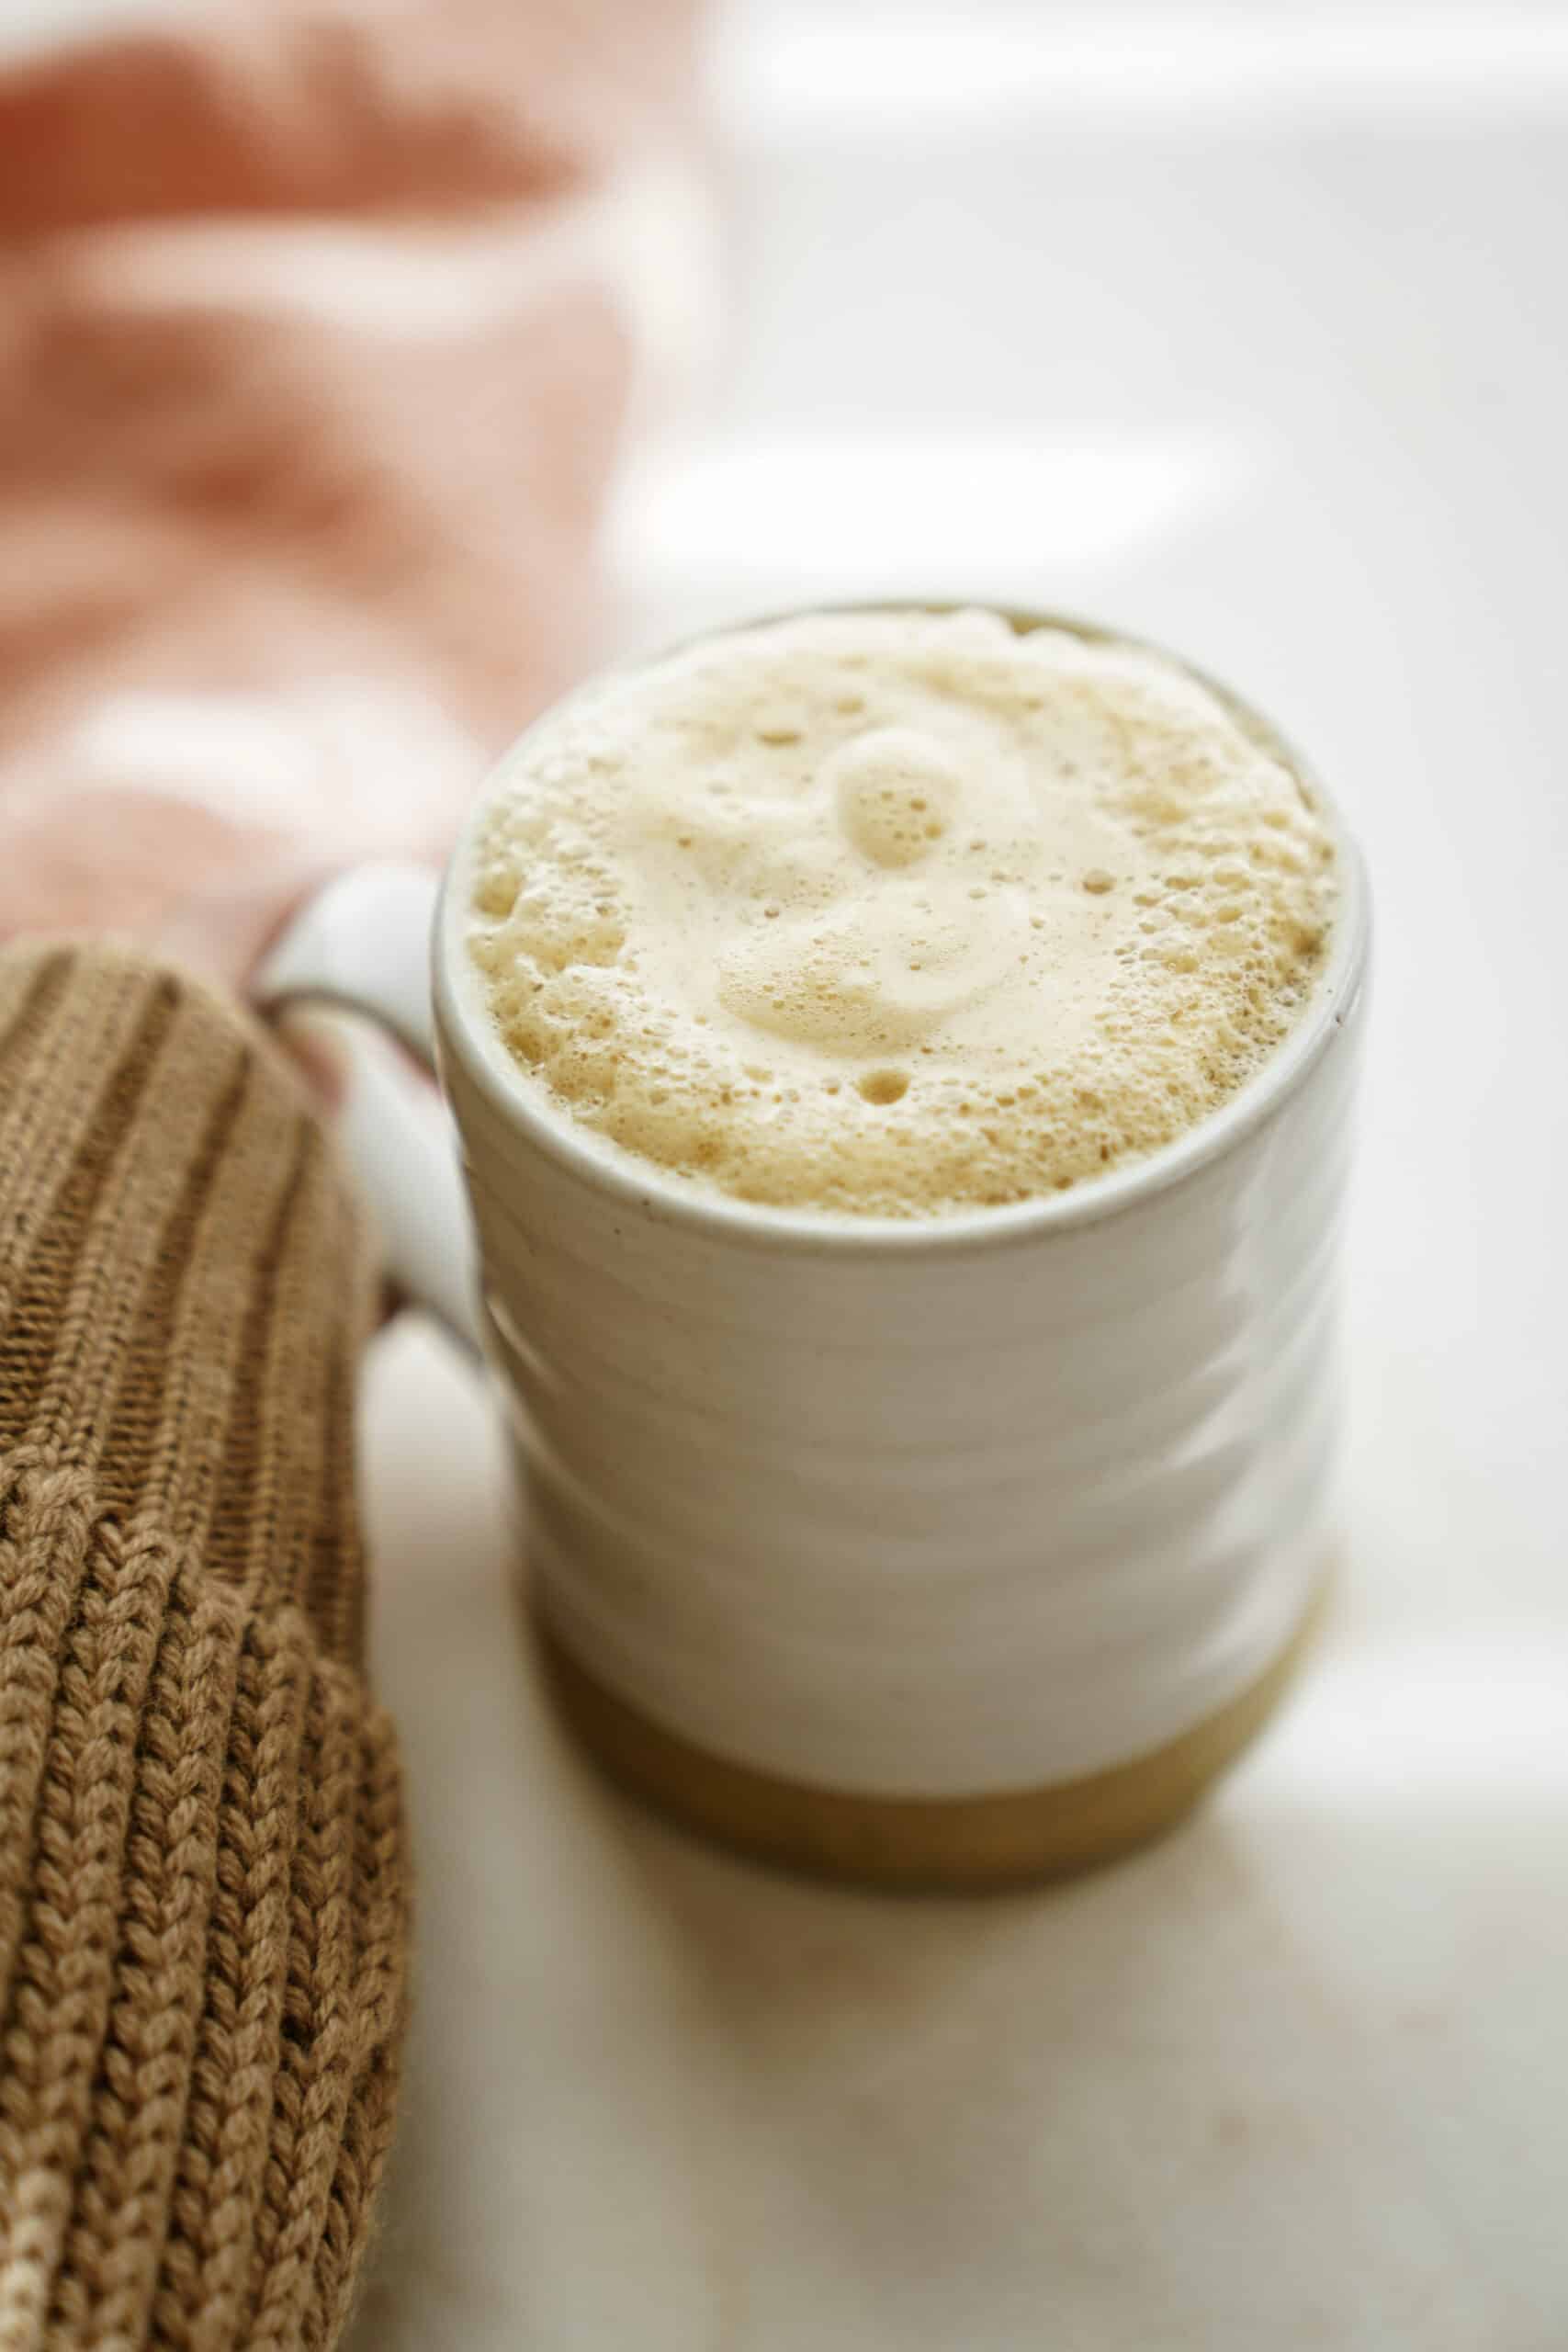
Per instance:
(662,1196)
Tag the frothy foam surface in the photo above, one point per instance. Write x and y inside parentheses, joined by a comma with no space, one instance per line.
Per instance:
(897,912)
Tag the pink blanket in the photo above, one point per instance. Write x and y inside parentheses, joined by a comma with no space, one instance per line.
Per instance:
(315,347)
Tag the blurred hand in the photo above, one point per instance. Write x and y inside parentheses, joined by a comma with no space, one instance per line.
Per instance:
(197,823)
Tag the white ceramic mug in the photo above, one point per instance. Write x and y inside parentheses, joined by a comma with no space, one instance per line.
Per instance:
(954,1548)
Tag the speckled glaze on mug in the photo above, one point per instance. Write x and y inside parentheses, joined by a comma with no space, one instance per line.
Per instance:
(939,1551)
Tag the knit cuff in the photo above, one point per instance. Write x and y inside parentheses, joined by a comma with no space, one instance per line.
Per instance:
(202,1877)
(185,1286)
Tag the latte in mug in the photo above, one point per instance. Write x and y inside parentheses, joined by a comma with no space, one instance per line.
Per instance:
(898,913)
(904,1060)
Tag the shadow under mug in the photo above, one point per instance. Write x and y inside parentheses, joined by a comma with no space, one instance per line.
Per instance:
(950,1551)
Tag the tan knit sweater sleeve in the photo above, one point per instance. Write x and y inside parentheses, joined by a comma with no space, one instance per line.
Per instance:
(202,1876)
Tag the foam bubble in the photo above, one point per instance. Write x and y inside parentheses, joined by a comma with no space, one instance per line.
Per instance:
(897,912)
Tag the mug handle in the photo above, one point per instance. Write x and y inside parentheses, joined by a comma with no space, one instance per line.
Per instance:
(361,947)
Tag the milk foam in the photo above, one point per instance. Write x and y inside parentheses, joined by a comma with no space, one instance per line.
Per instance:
(897,912)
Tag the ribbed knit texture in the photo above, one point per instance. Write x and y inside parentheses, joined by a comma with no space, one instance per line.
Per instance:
(202,1875)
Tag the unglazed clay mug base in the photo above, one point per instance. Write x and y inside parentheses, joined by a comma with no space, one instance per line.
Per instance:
(941,1551)
(932,1844)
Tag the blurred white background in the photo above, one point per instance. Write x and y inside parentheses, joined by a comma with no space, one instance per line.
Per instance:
(1247,328)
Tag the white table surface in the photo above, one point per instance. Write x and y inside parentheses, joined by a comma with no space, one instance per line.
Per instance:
(1259,344)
